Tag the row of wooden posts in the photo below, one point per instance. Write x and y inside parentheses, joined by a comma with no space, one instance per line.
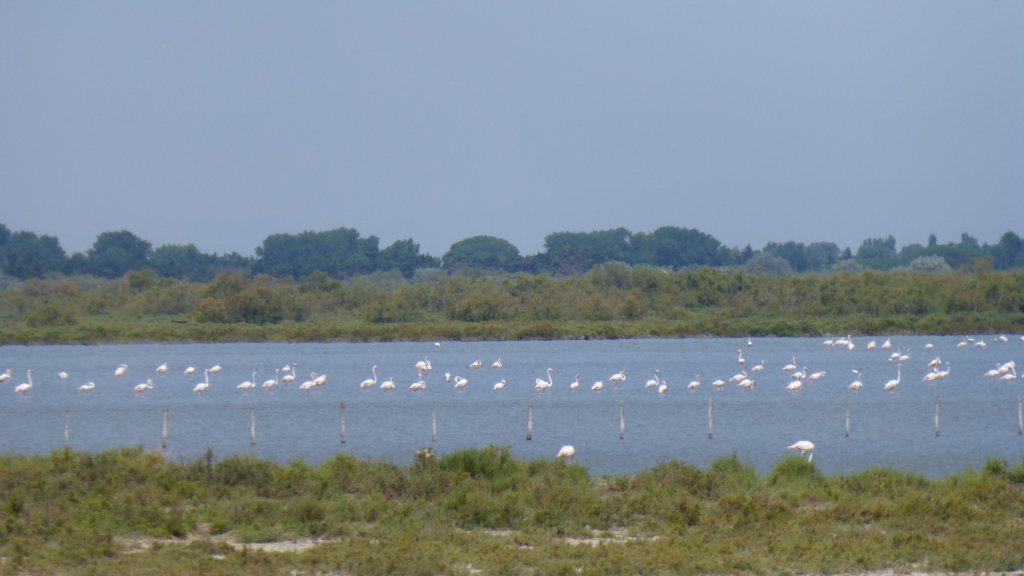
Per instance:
(529,421)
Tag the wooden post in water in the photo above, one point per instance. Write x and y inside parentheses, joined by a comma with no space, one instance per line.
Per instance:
(67,428)
(529,420)
(252,426)
(163,436)
(622,422)
(847,417)
(433,429)
(938,403)
(1020,418)
(341,407)
(711,427)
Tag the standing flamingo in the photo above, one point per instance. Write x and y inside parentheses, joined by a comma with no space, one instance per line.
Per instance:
(370,382)
(24,387)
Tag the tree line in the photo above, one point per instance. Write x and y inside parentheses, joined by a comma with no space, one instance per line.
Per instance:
(344,253)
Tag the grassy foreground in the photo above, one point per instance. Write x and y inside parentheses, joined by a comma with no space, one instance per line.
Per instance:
(481,511)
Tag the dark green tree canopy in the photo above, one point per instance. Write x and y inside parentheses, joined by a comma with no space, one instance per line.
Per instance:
(339,252)
(114,254)
(577,252)
(32,256)
(482,252)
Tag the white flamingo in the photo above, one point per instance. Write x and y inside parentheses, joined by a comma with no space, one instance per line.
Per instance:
(541,384)
(289,376)
(739,356)
(804,447)
(370,382)
(120,370)
(87,387)
(204,385)
(319,379)
(146,386)
(597,386)
(795,385)
(215,368)
(161,368)
(271,382)
(248,384)
(567,452)
(496,363)
(189,370)
(5,375)
(476,364)
(62,375)
(619,376)
(24,387)
(654,382)
(718,384)
(460,382)
(500,385)
(856,384)
(892,384)
(694,384)
(791,365)
(388,384)
(575,384)
(758,367)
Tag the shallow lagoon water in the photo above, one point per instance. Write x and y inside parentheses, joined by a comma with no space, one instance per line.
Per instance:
(978,415)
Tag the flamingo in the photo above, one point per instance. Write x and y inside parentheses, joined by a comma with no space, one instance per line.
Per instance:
(215,368)
(388,384)
(567,452)
(932,376)
(739,356)
(747,383)
(654,382)
(5,375)
(738,377)
(887,344)
(791,365)
(204,385)
(476,364)
(271,382)
(120,370)
(795,385)
(248,384)
(289,374)
(319,379)
(496,363)
(1011,375)
(718,384)
(943,373)
(541,384)
(816,376)
(993,372)
(929,346)
(500,385)
(663,388)
(750,342)
(419,385)
(62,375)
(828,343)
(370,382)
(892,384)
(146,386)
(307,386)
(423,365)
(24,387)
(758,367)
(619,376)
(190,370)
(800,374)
(694,384)
(87,387)
(460,382)
(161,368)
(575,384)
(935,362)
(597,386)
(856,384)
(804,447)
(872,345)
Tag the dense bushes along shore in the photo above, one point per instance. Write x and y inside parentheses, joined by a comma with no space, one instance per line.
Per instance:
(129,511)
(610,301)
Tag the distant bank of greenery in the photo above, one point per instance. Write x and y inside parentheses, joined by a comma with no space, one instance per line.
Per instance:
(480,511)
(343,253)
(612,300)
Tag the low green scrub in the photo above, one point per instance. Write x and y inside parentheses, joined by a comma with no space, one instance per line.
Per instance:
(480,510)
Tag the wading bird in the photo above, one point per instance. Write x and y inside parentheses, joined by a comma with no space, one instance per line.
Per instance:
(804,447)
(567,452)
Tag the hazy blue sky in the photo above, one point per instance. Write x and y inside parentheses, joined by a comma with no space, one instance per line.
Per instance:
(220,123)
